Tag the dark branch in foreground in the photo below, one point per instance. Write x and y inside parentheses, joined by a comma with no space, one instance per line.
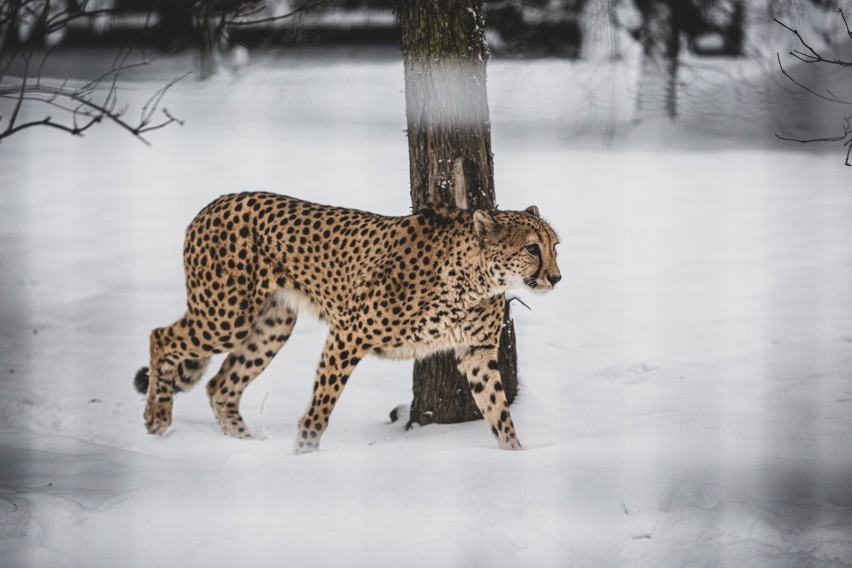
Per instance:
(79,106)
(845,137)
(828,96)
(84,108)
(813,56)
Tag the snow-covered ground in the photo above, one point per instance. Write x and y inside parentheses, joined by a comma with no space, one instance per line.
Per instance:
(686,390)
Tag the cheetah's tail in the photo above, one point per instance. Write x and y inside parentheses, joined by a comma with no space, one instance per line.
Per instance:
(140,381)
(189,372)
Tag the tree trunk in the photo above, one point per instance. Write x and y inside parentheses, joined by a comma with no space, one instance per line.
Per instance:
(205,39)
(9,30)
(660,36)
(450,162)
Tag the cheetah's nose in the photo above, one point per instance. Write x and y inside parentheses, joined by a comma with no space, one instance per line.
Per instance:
(554,279)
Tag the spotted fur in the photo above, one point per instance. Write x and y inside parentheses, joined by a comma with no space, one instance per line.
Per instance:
(401,287)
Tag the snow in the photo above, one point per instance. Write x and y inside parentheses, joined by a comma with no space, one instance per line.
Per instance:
(686,395)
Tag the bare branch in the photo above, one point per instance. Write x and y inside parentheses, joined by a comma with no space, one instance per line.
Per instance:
(845,23)
(86,107)
(237,20)
(151,105)
(830,97)
(809,140)
(48,121)
(87,103)
(845,137)
(811,55)
(170,120)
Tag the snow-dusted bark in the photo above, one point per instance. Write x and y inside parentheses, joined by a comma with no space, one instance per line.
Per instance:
(450,161)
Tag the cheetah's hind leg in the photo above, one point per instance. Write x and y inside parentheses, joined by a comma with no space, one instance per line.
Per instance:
(269,331)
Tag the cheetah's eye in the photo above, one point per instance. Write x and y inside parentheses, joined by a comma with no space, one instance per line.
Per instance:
(533,249)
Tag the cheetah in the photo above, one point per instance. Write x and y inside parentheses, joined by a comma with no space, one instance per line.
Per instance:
(397,287)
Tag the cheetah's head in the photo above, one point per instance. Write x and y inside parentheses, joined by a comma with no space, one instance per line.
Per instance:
(518,248)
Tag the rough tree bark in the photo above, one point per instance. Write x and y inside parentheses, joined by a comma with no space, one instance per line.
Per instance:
(451,165)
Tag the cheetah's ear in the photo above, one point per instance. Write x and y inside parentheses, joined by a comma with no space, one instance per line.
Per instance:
(532,210)
(483,223)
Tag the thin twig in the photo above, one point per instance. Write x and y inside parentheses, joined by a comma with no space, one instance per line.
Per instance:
(813,56)
(37,91)
(809,140)
(308,5)
(831,98)
(151,105)
(86,107)
(47,121)
(799,37)
(845,23)
(845,137)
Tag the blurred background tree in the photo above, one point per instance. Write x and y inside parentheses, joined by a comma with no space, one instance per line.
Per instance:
(661,27)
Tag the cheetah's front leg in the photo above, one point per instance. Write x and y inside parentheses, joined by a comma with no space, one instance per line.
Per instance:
(479,365)
(336,365)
